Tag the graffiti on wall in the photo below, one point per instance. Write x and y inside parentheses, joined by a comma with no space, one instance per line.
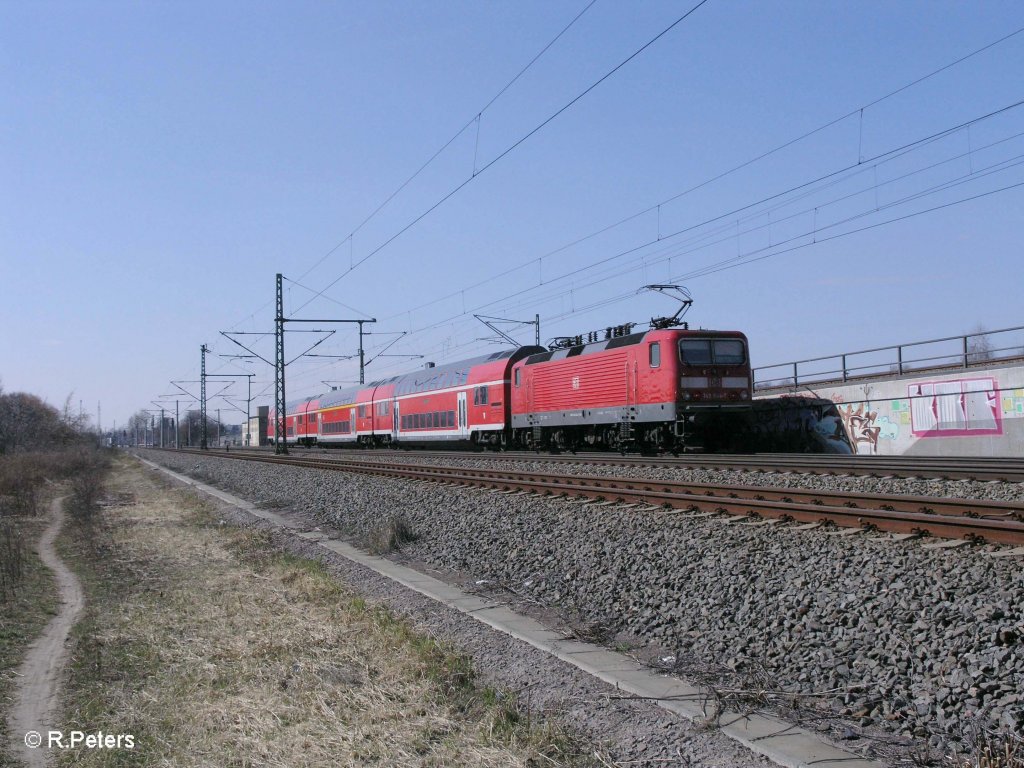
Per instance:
(860,427)
(1013,402)
(955,408)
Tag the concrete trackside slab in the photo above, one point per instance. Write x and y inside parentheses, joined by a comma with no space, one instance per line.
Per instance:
(782,742)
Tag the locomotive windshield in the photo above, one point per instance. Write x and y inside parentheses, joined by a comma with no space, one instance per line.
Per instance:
(712,352)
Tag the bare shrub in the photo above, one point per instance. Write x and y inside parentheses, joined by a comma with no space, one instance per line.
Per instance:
(979,345)
(20,479)
(13,554)
(87,485)
(389,536)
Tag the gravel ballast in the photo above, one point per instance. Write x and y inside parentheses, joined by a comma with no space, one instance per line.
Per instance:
(918,486)
(900,643)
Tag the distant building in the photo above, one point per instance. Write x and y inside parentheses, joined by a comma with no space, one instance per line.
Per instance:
(255,432)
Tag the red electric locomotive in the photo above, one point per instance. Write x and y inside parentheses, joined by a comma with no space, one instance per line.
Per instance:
(664,389)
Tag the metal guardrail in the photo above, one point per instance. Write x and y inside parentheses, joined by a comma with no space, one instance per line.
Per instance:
(967,351)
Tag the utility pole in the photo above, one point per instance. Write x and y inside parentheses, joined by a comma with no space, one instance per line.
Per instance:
(218,427)
(280,432)
(279,364)
(161,407)
(177,426)
(202,400)
(248,407)
(362,365)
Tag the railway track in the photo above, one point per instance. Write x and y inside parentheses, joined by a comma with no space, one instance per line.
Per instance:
(986,469)
(972,519)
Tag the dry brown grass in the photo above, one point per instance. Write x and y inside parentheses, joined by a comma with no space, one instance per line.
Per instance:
(214,650)
(993,751)
(391,535)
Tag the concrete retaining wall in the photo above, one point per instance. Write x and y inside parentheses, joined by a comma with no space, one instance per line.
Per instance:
(950,412)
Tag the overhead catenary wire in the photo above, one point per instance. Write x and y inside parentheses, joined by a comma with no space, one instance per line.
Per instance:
(751,257)
(807,134)
(728,216)
(475,119)
(762,156)
(777,250)
(504,153)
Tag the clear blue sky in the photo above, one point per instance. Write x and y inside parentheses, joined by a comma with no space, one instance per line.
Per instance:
(160,162)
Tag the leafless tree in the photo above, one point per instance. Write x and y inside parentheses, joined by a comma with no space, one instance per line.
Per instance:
(979,345)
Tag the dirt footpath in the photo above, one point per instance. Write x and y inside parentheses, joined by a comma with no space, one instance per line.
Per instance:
(39,676)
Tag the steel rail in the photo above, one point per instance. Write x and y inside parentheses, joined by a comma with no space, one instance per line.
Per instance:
(980,520)
(987,469)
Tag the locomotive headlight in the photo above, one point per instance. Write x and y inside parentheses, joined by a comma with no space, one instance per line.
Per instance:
(744,393)
(686,395)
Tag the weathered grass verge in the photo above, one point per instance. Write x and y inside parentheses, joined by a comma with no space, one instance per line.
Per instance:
(212,648)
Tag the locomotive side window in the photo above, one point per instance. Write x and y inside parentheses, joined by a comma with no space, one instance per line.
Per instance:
(517,376)
(655,354)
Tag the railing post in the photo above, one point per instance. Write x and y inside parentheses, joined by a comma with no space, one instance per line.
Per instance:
(965,351)
(796,378)
(899,359)
(844,367)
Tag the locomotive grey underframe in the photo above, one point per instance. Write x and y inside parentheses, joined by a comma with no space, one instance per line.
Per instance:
(648,413)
